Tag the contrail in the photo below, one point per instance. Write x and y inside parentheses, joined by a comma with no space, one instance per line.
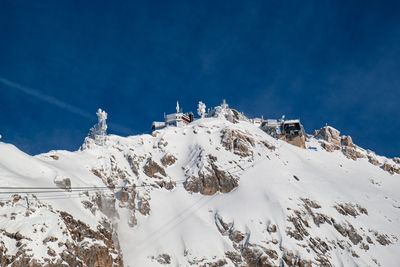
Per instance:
(56,102)
(49,99)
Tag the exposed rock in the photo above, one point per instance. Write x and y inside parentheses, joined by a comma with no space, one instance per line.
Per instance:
(329,147)
(268,145)
(16,198)
(390,168)
(51,252)
(223,227)
(348,231)
(347,141)
(346,209)
(210,178)
(271,228)
(170,185)
(364,246)
(50,239)
(293,260)
(55,157)
(218,263)
(311,203)
(97,173)
(254,257)
(237,142)
(235,257)
(162,143)
(95,255)
(352,153)
(133,163)
(236,236)
(299,223)
(329,134)
(299,141)
(168,160)
(397,160)
(143,206)
(163,259)
(373,160)
(320,218)
(362,209)
(318,245)
(151,169)
(383,239)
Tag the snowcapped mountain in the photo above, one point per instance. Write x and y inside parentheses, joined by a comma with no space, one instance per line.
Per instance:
(212,193)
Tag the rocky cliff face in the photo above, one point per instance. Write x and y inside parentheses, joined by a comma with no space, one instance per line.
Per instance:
(331,140)
(215,193)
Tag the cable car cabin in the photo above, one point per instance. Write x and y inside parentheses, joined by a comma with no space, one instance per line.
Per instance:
(292,129)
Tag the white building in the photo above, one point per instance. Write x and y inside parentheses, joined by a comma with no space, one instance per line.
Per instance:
(178,119)
(257,121)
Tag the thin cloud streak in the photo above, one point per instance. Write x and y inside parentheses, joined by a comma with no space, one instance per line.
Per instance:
(46,98)
(56,102)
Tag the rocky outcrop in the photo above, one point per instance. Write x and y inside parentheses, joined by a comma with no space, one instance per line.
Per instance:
(373,160)
(237,142)
(77,243)
(346,141)
(329,147)
(350,209)
(209,177)
(152,169)
(329,134)
(168,160)
(96,255)
(299,141)
(331,140)
(390,168)
(352,153)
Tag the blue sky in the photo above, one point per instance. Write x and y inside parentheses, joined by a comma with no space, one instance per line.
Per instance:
(335,62)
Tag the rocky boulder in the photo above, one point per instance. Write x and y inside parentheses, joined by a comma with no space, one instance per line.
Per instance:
(329,134)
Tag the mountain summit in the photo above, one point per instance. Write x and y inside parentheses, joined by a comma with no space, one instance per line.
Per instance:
(222,190)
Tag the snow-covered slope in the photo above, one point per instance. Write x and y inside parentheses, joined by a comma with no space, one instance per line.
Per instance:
(213,193)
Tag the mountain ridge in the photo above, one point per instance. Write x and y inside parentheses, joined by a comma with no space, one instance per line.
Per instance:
(213,193)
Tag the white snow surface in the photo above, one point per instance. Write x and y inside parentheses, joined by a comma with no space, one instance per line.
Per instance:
(185,225)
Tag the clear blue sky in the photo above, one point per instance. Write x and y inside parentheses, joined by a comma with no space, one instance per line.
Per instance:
(335,62)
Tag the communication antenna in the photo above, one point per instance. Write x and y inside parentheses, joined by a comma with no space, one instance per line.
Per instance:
(177,107)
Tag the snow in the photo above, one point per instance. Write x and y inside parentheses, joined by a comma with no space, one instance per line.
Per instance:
(183,224)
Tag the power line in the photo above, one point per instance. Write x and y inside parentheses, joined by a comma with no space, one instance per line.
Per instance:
(66,193)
